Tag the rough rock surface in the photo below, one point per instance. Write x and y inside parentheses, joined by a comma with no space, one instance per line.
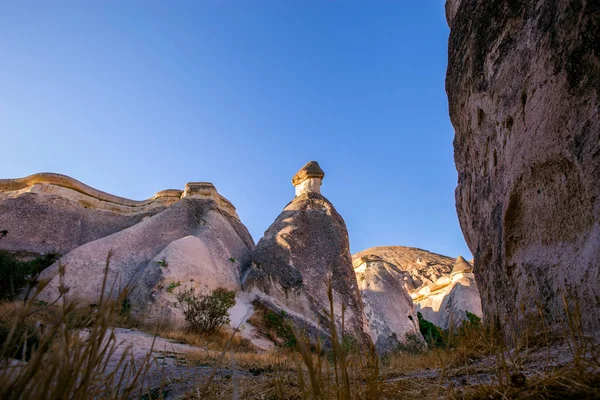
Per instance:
(446,301)
(301,251)
(440,287)
(388,308)
(192,243)
(52,213)
(523,84)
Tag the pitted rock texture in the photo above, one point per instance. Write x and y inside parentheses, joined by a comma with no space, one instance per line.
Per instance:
(54,213)
(523,85)
(441,288)
(422,267)
(39,224)
(388,308)
(301,251)
(193,243)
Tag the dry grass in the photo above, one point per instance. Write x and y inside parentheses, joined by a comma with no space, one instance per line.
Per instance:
(476,363)
(62,362)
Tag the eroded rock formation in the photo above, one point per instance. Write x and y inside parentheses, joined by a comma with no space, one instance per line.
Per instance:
(53,213)
(393,278)
(198,241)
(301,251)
(523,84)
(388,308)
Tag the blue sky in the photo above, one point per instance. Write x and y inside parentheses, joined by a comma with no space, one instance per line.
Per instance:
(139,96)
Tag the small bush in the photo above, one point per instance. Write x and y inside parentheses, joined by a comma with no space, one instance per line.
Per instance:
(206,313)
(16,275)
(432,334)
(275,326)
(172,286)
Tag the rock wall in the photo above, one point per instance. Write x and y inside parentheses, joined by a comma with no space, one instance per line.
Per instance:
(53,213)
(523,85)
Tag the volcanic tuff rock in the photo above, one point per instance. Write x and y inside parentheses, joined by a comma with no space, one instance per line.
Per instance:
(388,308)
(196,242)
(446,301)
(301,251)
(52,213)
(523,84)
(441,288)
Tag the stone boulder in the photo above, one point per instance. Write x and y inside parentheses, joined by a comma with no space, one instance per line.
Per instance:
(305,248)
(523,85)
(196,242)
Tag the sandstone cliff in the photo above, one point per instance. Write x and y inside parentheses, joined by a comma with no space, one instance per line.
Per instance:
(393,278)
(523,84)
(301,251)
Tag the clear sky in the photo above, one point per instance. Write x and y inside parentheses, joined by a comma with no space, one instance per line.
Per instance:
(133,97)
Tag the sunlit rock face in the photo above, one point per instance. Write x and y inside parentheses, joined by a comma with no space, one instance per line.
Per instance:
(305,248)
(388,308)
(197,241)
(446,301)
(523,85)
(441,288)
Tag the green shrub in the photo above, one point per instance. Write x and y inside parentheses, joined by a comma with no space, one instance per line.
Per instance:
(172,286)
(206,313)
(432,334)
(280,326)
(16,275)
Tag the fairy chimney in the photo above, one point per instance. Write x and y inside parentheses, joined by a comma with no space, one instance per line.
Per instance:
(308,179)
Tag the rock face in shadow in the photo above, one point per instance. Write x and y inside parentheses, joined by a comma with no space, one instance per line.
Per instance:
(441,288)
(301,251)
(388,308)
(51,213)
(193,243)
(523,84)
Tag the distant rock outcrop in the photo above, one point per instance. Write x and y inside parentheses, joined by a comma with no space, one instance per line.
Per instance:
(446,301)
(301,251)
(442,289)
(523,84)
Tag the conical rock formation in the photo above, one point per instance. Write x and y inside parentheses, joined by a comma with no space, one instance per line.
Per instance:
(305,248)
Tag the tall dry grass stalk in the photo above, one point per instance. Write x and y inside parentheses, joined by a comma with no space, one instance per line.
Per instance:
(59,362)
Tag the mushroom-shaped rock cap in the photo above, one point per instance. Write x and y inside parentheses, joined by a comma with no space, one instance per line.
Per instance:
(461,266)
(310,170)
